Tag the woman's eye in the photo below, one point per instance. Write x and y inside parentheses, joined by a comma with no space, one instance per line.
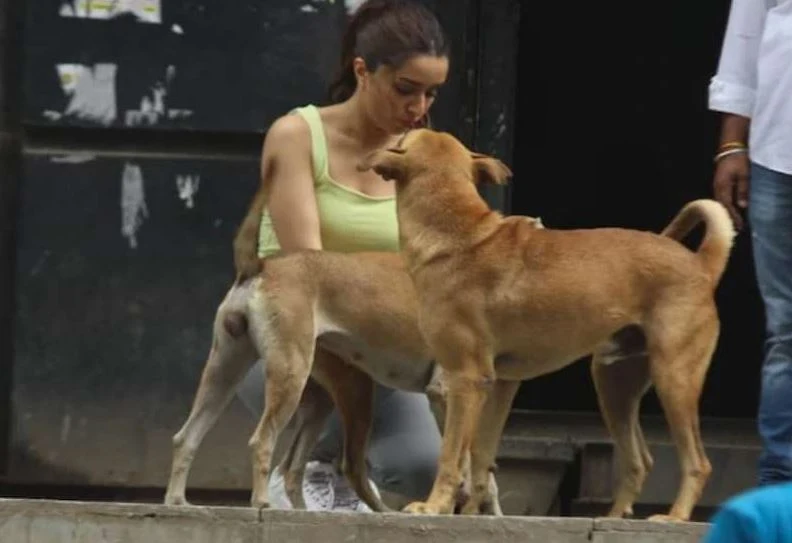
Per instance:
(404,91)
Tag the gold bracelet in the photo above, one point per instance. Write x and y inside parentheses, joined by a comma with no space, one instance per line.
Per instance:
(724,154)
(732,145)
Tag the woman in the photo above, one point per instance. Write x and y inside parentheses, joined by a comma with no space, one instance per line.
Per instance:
(394,58)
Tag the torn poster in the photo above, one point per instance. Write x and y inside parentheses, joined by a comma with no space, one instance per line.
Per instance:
(352,5)
(187,186)
(133,203)
(153,106)
(91,92)
(146,11)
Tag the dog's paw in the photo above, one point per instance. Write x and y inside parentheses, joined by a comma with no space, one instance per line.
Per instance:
(420,508)
(260,504)
(176,500)
(664,518)
(470,508)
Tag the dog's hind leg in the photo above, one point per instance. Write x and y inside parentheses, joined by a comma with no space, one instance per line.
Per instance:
(620,385)
(353,394)
(290,350)
(314,408)
(678,371)
(229,358)
(485,448)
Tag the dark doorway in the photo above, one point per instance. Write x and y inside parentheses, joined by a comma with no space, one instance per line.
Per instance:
(612,129)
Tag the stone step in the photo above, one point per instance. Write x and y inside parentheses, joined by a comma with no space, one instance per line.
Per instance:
(93,522)
(587,427)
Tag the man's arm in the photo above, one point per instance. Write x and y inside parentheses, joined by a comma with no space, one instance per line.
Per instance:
(732,92)
(733,88)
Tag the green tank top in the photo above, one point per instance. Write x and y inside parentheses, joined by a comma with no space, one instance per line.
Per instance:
(349,220)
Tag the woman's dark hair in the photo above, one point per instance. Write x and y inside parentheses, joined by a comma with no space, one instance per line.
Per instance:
(386,32)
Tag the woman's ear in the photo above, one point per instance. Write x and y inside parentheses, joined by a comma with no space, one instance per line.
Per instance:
(361,72)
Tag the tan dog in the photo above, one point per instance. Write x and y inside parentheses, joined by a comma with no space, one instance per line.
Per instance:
(346,320)
(492,287)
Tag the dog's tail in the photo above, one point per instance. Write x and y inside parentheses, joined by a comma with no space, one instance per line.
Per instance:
(716,245)
(246,260)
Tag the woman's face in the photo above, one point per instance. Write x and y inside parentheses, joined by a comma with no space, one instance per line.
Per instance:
(397,98)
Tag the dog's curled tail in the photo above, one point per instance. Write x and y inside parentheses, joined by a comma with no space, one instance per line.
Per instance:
(716,245)
(246,260)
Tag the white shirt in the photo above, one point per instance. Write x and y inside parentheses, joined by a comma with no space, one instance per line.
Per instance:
(754,78)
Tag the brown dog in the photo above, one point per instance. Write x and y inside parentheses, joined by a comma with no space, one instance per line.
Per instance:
(489,287)
(344,319)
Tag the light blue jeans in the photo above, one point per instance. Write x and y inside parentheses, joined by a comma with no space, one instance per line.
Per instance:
(770,217)
(404,444)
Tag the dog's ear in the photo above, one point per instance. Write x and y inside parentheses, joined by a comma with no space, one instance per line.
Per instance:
(487,169)
(390,163)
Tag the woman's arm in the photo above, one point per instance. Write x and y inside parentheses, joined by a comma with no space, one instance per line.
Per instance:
(287,168)
(287,190)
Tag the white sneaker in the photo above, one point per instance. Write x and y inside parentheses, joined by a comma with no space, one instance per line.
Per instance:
(277,491)
(317,487)
(323,490)
(347,500)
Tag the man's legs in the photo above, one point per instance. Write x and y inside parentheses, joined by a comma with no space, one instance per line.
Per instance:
(770,216)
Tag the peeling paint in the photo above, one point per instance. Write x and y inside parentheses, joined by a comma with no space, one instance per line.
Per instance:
(133,203)
(91,90)
(179,113)
(352,5)
(153,106)
(146,11)
(500,125)
(187,186)
(52,115)
(65,428)
(73,158)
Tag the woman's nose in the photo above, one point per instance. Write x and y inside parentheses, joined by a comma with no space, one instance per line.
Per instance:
(417,107)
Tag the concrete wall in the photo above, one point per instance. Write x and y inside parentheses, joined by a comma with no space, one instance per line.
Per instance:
(42,521)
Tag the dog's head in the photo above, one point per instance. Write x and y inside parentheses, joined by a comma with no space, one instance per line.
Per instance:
(423,151)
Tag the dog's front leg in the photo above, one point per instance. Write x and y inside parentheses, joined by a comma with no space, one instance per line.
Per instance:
(436,392)
(469,382)
(485,447)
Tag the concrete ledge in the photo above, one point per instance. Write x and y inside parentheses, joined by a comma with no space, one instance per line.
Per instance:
(626,531)
(45,521)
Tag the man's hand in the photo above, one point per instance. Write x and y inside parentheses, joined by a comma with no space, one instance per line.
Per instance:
(730,185)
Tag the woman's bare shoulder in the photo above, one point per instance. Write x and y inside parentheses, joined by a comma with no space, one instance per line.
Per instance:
(287,132)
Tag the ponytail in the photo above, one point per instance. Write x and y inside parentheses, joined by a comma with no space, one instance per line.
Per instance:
(344,84)
(402,28)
